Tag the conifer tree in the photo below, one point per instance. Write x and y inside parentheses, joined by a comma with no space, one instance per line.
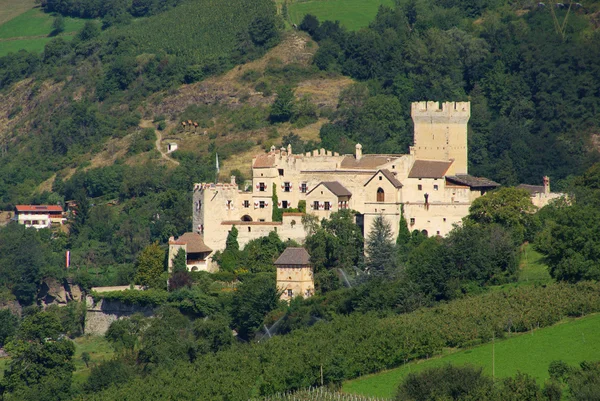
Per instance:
(179,262)
(404,237)
(231,243)
(381,256)
(150,266)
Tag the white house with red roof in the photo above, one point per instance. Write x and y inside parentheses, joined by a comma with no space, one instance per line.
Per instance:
(39,216)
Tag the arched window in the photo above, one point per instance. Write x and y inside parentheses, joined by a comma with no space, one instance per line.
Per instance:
(380,195)
(246,218)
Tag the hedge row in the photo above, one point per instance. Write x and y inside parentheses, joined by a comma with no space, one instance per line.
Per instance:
(188,301)
(351,346)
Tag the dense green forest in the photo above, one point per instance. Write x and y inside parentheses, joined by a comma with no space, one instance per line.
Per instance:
(534,90)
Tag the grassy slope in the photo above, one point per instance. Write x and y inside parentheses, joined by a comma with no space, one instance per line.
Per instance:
(98,348)
(573,341)
(35,23)
(353,14)
(32,45)
(9,9)
(30,30)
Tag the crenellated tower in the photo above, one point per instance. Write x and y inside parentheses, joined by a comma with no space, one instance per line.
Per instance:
(441,133)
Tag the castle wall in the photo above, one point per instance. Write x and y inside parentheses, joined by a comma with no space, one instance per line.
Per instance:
(436,219)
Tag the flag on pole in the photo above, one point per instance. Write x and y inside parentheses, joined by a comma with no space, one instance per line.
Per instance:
(68,259)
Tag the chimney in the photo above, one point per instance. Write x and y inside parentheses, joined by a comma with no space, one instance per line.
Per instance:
(289,149)
(358,151)
(233,180)
(546,185)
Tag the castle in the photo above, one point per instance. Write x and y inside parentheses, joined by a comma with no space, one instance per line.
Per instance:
(431,185)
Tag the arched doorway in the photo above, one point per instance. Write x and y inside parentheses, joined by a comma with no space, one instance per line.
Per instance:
(380,195)
(246,218)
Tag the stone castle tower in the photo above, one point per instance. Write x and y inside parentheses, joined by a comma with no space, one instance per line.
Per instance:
(441,133)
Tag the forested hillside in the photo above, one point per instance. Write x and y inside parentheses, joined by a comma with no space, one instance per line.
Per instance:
(533,87)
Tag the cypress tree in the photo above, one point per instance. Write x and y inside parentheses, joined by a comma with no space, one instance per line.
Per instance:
(231,244)
(180,262)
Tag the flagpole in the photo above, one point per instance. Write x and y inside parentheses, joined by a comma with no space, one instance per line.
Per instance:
(217,171)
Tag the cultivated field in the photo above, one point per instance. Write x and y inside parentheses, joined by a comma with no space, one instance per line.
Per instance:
(353,14)
(572,341)
(9,9)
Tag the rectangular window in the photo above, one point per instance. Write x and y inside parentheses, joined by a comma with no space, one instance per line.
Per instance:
(285,204)
(412,221)
(287,187)
(435,187)
(262,187)
(261,204)
(316,205)
(281,172)
(246,204)
(327,206)
(303,188)
(420,187)
(290,293)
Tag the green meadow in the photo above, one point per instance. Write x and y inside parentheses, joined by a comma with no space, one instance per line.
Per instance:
(353,14)
(572,341)
(30,31)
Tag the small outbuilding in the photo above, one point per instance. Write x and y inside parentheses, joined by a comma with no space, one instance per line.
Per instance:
(196,252)
(171,147)
(295,274)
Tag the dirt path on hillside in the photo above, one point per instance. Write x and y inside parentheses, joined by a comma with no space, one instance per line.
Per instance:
(165,156)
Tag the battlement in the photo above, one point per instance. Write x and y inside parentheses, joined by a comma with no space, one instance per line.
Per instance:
(433,109)
(215,187)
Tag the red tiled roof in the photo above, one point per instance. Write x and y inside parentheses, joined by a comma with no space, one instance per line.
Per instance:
(429,169)
(367,162)
(389,175)
(294,256)
(532,189)
(38,208)
(334,187)
(193,242)
(264,161)
(473,182)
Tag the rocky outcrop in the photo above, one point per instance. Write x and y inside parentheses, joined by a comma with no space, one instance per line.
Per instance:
(101,314)
(59,293)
